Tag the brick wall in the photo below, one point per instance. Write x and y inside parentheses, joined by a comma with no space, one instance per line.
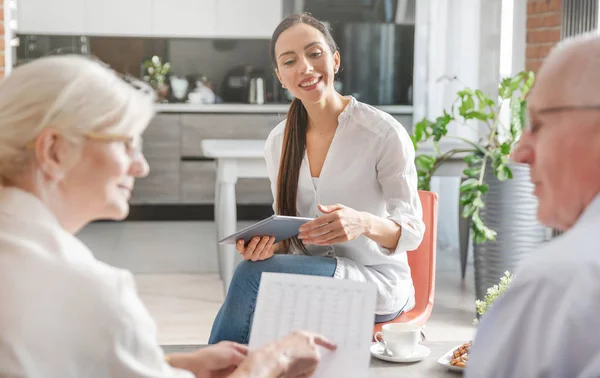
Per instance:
(1,39)
(543,30)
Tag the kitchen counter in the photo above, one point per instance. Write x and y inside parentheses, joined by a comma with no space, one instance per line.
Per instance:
(251,108)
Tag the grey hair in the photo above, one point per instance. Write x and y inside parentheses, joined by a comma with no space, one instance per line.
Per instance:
(72,94)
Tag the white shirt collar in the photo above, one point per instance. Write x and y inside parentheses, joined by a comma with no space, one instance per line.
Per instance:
(591,212)
(20,204)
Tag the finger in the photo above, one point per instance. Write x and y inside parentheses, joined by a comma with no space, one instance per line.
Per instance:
(324,342)
(307,374)
(320,221)
(340,239)
(316,224)
(243,349)
(239,246)
(330,208)
(250,248)
(329,238)
(236,357)
(315,232)
(259,248)
(239,347)
(268,251)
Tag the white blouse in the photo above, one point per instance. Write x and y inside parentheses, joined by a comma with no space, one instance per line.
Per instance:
(64,314)
(369,167)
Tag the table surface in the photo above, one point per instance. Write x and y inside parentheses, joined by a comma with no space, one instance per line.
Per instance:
(428,367)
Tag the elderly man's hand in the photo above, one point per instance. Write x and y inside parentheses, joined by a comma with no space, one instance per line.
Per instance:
(301,354)
(295,356)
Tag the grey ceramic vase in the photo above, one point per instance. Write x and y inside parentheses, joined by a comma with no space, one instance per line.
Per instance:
(510,210)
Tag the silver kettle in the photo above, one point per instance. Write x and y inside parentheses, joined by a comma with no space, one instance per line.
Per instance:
(256,93)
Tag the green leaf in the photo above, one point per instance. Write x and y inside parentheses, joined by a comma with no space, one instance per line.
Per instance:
(478,237)
(477,222)
(508,172)
(530,78)
(515,82)
(483,188)
(483,100)
(505,148)
(466,106)
(478,203)
(501,175)
(476,114)
(468,210)
(424,183)
(471,172)
(425,162)
(467,198)
(472,159)
(469,184)
(420,129)
(489,233)
(439,128)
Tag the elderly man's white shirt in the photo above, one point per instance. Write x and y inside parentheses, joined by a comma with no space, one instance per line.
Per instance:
(547,324)
(64,314)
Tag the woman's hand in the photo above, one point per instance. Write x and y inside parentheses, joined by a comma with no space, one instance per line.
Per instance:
(339,224)
(257,249)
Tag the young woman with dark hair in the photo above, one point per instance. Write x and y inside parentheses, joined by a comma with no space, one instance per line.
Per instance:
(343,162)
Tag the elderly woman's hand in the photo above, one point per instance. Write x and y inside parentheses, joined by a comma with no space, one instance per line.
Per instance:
(339,224)
(215,361)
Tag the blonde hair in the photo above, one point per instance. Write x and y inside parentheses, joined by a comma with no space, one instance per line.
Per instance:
(70,93)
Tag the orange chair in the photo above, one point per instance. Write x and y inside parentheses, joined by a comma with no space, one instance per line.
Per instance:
(422,266)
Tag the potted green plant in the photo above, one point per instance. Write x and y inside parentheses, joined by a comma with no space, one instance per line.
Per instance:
(493,150)
(496,195)
(156,74)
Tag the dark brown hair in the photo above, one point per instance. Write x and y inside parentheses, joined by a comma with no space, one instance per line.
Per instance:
(294,139)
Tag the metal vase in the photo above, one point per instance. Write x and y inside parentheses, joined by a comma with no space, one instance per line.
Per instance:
(510,210)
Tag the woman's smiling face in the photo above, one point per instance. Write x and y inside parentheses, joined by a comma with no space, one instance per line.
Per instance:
(306,64)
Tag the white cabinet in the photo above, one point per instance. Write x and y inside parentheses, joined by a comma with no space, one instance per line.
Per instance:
(50,17)
(151,18)
(119,17)
(185,18)
(248,19)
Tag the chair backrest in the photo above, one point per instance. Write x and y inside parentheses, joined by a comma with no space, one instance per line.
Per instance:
(422,259)
(422,266)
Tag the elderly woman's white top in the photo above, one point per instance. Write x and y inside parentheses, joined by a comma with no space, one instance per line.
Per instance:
(369,167)
(64,314)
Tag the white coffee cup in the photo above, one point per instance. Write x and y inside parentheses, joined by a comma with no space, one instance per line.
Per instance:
(399,338)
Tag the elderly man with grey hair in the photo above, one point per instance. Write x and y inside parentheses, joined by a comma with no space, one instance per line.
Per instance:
(547,323)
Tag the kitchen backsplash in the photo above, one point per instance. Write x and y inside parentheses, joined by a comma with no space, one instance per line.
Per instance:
(377,63)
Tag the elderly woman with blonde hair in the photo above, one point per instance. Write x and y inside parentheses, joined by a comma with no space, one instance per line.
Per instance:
(70,150)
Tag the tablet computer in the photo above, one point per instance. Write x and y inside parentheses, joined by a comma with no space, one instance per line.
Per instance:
(280,226)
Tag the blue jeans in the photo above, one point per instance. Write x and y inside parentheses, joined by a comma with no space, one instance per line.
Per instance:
(235,316)
(234,319)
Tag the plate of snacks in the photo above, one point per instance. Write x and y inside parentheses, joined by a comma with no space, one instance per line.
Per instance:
(457,358)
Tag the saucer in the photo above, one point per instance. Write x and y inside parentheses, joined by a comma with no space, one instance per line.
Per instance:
(420,352)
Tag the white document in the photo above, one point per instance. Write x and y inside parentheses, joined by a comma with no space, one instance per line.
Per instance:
(341,310)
